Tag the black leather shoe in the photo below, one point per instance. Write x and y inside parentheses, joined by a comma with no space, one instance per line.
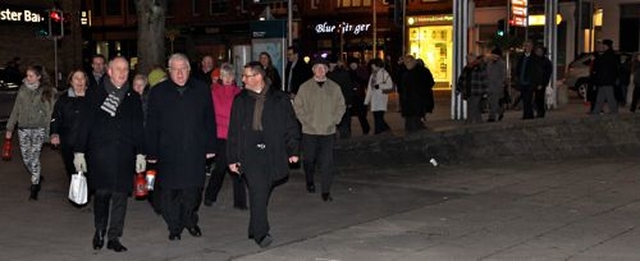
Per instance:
(327,197)
(311,188)
(116,246)
(34,192)
(98,240)
(265,241)
(174,237)
(195,231)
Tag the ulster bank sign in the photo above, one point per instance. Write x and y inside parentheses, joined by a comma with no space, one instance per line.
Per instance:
(20,15)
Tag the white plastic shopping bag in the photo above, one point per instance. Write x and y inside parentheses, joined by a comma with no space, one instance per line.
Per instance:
(78,191)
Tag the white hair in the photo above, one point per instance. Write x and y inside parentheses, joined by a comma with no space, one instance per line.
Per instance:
(178,57)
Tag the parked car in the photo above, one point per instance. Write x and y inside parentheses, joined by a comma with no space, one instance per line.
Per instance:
(577,74)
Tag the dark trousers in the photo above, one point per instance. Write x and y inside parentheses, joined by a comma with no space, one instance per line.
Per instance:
(541,107)
(526,92)
(67,159)
(180,208)
(217,178)
(380,125)
(413,123)
(344,127)
(109,211)
(635,98)
(360,111)
(260,185)
(318,148)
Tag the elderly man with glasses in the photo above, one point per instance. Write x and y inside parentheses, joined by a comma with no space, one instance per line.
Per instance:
(181,131)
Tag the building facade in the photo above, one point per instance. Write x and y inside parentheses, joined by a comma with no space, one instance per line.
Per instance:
(22,37)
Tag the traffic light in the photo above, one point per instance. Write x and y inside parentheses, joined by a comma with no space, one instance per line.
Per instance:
(502,27)
(56,23)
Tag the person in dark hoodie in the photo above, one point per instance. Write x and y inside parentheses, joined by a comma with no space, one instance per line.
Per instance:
(606,68)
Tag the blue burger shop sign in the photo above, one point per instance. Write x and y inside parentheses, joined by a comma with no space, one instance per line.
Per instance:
(20,15)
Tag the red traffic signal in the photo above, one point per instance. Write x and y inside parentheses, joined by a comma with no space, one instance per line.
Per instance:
(56,16)
(56,23)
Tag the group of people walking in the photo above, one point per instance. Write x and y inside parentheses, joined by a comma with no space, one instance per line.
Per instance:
(110,126)
(485,78)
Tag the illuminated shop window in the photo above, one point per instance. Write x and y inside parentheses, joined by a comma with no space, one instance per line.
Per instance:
(354,3)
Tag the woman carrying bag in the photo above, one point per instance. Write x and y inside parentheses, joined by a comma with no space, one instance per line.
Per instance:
(66,114)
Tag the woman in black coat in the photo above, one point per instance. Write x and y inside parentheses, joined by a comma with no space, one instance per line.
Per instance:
(65,117)
(263,139)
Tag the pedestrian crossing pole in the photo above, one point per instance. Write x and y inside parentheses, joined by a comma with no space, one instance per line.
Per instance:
(461,17)
(550,41)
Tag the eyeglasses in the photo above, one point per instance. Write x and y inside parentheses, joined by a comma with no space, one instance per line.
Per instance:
(249,75)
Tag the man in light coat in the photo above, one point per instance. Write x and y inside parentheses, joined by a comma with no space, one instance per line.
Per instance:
(319,106)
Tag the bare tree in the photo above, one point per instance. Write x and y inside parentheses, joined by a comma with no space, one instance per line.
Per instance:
(151,27)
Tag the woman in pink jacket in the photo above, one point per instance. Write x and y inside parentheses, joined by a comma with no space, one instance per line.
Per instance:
(223,91)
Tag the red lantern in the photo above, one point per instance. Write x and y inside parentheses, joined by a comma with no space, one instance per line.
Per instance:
(6,150)
(140,186)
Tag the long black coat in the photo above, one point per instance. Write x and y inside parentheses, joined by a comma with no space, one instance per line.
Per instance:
(281,132)
(181,130)
(417,95)
(110,143)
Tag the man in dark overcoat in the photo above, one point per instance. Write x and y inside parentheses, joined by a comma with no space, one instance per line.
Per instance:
(416,98)
(181,131)
(296,72)
(111,137)
(264,137)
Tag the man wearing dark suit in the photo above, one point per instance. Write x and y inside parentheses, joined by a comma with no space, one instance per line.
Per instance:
(297,71)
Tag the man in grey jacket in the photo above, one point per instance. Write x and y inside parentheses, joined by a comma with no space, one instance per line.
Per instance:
(319,106)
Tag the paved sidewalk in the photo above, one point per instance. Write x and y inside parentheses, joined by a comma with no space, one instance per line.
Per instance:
(577,210)
(563,210)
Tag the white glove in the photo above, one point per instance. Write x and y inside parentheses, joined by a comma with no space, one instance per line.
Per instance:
(141,163)
(79,162)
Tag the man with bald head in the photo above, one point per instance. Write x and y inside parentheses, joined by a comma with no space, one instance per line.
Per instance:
(110,138)
(204,72)
(181,132)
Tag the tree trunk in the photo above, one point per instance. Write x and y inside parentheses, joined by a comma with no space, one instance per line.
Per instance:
(151,27)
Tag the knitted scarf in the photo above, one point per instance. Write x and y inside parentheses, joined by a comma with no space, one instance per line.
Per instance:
(261,97)
(114,98)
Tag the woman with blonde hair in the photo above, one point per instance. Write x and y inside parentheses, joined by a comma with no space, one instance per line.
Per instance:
(32,114)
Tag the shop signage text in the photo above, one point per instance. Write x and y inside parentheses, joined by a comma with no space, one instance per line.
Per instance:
(430,19)
(26,16)
(343,27)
